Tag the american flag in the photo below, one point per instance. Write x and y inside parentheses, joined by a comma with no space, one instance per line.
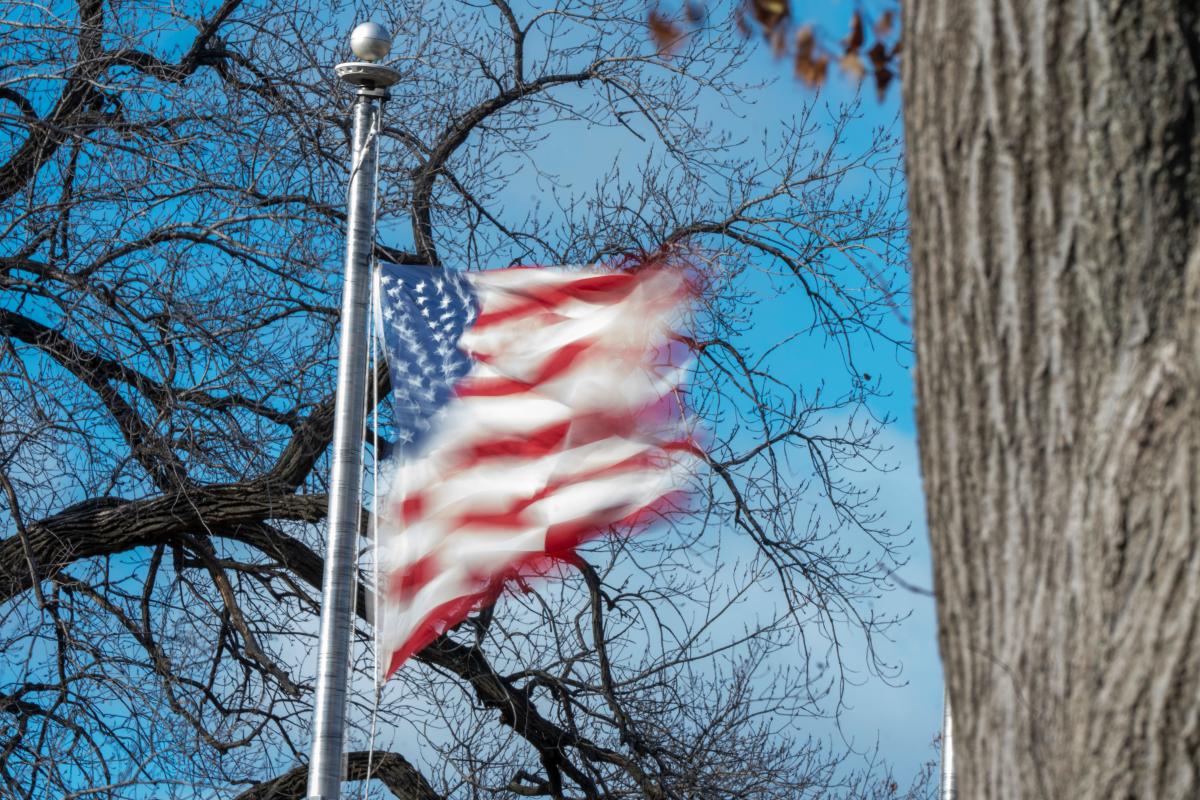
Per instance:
(534,410)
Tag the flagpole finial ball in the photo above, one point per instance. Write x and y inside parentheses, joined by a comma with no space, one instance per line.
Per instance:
(371,41)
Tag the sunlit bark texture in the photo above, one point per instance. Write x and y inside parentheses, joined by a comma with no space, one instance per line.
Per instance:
(1054,167)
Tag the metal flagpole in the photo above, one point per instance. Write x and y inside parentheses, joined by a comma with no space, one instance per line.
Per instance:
(370,42)
(949,790)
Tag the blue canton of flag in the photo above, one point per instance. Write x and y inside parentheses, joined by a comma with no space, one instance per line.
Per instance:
(424,311)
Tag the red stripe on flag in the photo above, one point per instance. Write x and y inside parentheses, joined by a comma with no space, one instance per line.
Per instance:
(531,446)
(556,365)
(560,549)
(441,619)
(406,582)
(411,509)
(581,431)
(510,517)
(561,540)
(597,289)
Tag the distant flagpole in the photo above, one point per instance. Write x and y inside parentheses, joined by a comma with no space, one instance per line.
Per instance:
(370,42)
(949,791)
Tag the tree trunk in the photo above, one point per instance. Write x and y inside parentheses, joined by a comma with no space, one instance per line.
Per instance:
(1053,154)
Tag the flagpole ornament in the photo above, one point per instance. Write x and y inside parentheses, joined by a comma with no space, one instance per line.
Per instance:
(370,42)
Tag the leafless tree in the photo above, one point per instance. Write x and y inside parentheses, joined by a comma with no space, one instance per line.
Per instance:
(172,179)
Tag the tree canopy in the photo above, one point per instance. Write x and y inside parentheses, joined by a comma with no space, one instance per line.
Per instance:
(173,183)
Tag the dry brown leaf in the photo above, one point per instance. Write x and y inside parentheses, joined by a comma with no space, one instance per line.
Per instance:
(883,79)
(885,25)
(811,65)
(694,12)
(856,37)
(881,62)
(805,38)
(879,55)
(769,13)
(667,36)
(852,64)
(815,71)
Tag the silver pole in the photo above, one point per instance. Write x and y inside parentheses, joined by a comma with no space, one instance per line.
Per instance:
(370,42)
(949,790)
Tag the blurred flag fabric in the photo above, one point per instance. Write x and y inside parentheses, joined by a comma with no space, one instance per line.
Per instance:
(535,408)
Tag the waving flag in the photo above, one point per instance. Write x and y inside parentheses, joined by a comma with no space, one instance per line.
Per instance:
(535,409)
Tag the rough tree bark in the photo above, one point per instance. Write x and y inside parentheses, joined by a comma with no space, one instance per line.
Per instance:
(1053,153)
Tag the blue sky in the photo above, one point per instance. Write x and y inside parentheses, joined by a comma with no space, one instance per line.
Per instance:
(903,720)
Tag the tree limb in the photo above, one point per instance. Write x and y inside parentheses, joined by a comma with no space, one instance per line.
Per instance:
(108,525)
(390,769)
